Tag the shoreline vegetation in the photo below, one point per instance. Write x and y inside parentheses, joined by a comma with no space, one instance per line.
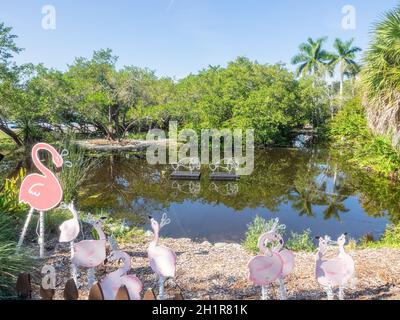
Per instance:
(94,107)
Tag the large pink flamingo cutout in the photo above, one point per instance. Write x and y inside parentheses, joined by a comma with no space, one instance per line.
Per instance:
(90,253)
(335,272)
(42,192)
(112,282)
(69,231)
(162,259)
(273,263)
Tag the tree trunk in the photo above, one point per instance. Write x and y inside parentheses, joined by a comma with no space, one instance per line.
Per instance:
(11,134)
(341,85)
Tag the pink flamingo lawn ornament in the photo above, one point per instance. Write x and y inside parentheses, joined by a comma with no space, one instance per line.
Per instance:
(112,282)
(162,259)
(90,253)
(69,231)
(273,263)
(335,272)
(42,192)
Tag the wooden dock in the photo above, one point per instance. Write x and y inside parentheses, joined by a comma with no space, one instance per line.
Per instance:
(223,176)
(185,175)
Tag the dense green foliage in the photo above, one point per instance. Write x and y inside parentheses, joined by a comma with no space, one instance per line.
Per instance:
(366,150)
(95,98)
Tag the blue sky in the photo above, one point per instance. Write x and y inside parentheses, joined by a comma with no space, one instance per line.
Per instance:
(178,37)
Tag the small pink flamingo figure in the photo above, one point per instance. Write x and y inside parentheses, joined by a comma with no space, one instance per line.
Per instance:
(69,231)
(42,192)
(90,253)
(112,282)
(335,272)
(162,259)
(273,263)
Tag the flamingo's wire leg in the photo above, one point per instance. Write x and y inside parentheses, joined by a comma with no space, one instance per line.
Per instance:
(282,289)
(264,291)
(161,293)
(74,270)
(341,293)
(91,278)
(41,234)
(25,228)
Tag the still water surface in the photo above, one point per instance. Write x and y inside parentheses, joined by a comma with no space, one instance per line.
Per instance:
(306,189)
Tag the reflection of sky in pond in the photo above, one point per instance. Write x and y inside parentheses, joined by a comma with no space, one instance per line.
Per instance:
(306,189)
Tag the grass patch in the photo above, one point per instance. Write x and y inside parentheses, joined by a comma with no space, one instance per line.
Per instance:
(296,242)
(12,263)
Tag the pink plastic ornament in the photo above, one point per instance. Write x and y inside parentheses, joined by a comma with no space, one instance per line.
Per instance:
(162,259)
(112,282)
(335,272)
(273,263)
(69,230)
(90,253)
(42,192)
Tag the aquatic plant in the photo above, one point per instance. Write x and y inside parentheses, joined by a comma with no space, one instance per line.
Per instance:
(73,177)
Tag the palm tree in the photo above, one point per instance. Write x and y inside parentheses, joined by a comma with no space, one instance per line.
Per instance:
(312,59)
(345,58)
(381,76)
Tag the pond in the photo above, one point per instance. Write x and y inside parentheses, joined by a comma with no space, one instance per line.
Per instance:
(304,188)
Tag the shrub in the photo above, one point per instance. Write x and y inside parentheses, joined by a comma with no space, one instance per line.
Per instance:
(9,202)
(301,241)
(390,239)
(296,242)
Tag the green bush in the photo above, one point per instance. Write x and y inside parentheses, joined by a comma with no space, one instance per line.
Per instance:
(301,241)
(349,131)
(296,242)
(9,202)
(390,239)
(120,229)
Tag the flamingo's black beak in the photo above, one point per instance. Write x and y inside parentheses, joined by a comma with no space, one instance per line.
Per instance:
(150,217)
(317,237)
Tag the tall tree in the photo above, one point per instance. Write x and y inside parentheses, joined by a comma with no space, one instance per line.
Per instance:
(381,77)
(344,59)
(312,59)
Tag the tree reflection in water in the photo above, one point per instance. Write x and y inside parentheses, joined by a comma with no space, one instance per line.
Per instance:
(313,182)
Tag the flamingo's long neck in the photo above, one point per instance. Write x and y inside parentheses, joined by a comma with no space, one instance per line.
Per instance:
(319,255)
(38,164)
(127,264)
(100,232)
(154,242)
(342,253)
